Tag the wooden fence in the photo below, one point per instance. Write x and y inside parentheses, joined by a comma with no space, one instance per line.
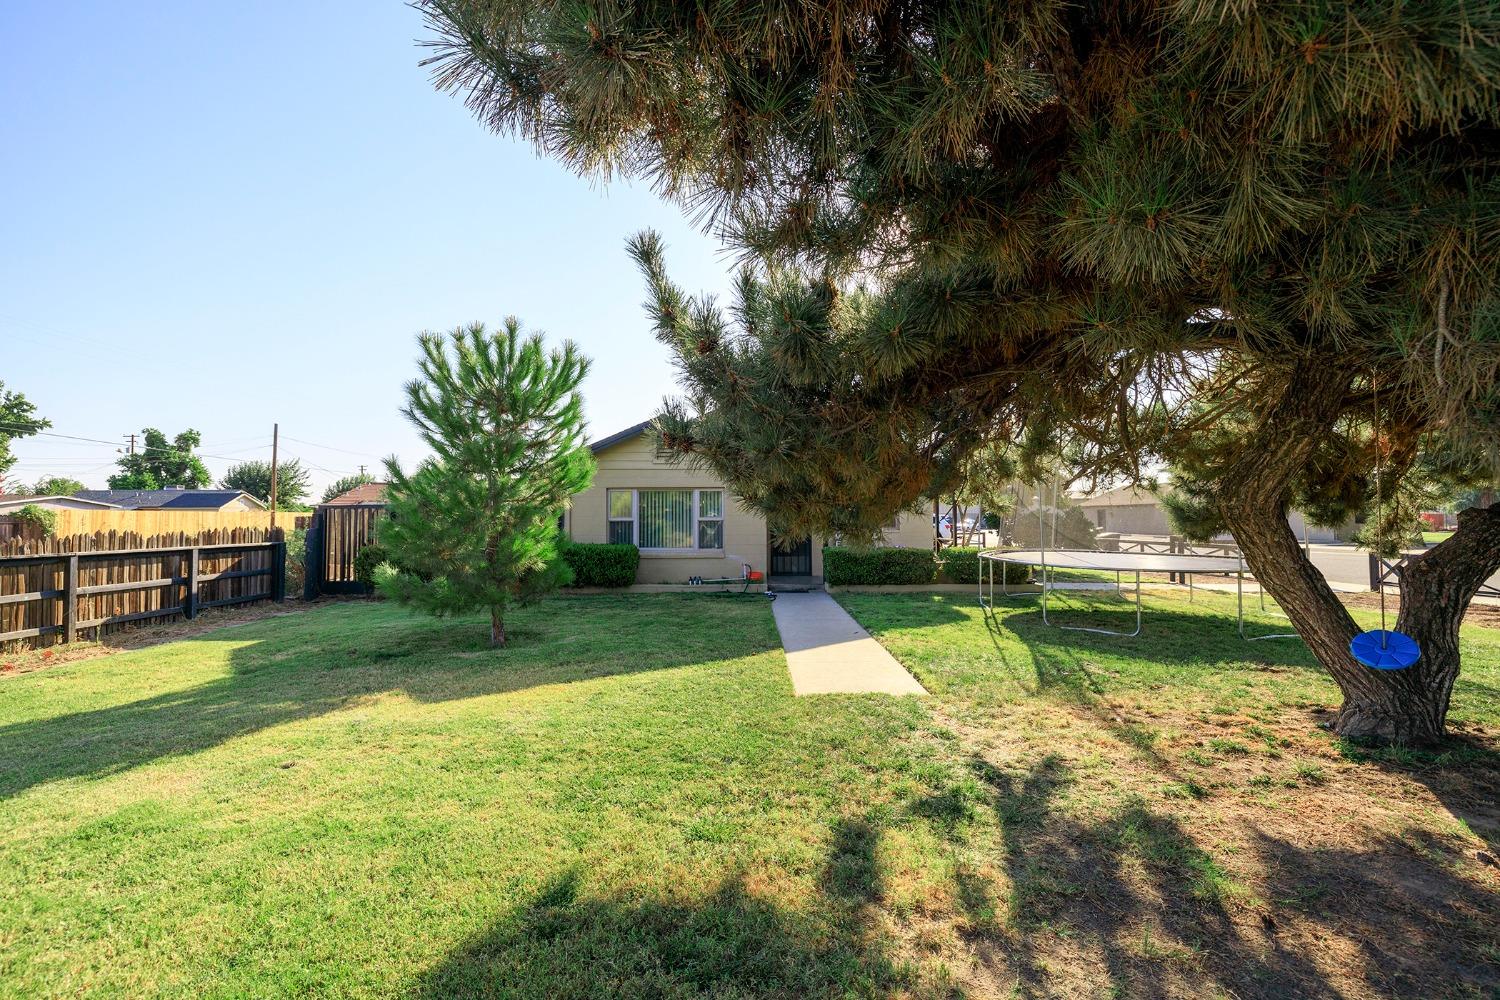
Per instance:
(334,539)
(166,522)
(85,586)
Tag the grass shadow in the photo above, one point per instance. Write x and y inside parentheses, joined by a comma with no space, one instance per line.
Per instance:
(727,943)
(308,665)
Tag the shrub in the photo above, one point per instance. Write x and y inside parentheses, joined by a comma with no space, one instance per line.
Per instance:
(366,560)
(1074,530)
(878,567)
(601,564)
(43,519)
(296,561)
(961,565)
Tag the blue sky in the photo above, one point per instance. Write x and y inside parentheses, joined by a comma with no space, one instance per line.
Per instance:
(223,216)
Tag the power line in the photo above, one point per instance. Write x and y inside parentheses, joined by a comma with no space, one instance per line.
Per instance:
(329,447)
(168,449)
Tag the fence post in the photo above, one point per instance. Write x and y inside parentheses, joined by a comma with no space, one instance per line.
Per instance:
(312,559)
(1376,571)
(278,572)
(70,600)
(190,605)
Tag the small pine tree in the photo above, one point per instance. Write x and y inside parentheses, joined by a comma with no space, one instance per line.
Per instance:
(475,526)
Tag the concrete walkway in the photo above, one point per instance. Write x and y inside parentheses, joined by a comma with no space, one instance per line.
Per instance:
(828,652)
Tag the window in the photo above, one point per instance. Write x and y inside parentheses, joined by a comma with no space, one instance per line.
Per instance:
(710,519)
(665,520)
(621,516)
(894,524)
(674,519)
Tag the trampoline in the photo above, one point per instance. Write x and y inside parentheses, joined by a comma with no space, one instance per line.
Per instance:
(1186,564)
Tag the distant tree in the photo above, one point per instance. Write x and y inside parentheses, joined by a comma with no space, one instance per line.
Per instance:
(341,486)
(475,526)
(254,477)
(56,486)
(159,463)
(18,419)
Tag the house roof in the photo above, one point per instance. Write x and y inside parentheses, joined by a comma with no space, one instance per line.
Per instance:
(7,502)
(633,431)
(168,499)
(363,493)
(1124,496)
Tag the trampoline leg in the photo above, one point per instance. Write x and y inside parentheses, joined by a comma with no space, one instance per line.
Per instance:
(1191,592)
(1100,631)
(1240,603)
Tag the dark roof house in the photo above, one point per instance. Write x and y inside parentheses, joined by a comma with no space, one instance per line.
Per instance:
(175,499)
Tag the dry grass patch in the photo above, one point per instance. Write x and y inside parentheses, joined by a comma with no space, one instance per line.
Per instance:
(1164,816)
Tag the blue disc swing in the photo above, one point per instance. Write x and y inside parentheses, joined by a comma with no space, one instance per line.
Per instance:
(1383,649)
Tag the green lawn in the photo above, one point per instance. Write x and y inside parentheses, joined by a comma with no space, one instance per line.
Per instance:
(628,801)
(1433,537)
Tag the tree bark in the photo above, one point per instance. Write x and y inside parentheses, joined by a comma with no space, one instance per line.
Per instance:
(1382,706)
(497,629)
(1436,588)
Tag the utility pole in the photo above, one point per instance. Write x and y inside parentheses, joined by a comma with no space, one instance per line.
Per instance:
(275,441)
(132,443)
(361,470)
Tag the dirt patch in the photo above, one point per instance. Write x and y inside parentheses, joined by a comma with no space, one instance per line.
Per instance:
(1225,856)
(1483,615)
(152,635)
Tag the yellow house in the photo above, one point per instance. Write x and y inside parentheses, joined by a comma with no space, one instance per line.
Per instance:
(686,523)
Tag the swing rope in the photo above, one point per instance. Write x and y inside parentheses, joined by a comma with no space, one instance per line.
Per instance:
(1394,650)
(1380,535)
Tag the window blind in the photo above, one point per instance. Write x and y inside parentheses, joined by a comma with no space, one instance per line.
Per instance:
(666,519)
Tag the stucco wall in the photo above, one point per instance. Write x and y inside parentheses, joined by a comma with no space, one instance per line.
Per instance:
(633,464)
(1149,519)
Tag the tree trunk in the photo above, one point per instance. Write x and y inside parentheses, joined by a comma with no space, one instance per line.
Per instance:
(1436,588)
(1384,706)
(497,629)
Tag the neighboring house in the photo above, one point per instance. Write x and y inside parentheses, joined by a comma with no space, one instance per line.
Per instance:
(174,498)
(363,493)
(10,504)
(687,523)
(1131,510)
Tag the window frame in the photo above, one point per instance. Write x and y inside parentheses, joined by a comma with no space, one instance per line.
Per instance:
(610,519)
(698,518)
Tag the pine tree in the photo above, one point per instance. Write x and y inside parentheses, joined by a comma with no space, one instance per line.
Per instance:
(476,525)
(1113,227)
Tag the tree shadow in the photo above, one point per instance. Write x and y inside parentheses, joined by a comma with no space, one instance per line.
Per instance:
(1463,774)
(1141,910)
(1134,892)
(727,943)
(300,667)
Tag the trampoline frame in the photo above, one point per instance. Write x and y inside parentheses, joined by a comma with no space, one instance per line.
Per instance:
(988,558)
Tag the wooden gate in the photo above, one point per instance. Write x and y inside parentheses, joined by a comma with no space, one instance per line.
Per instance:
(337,534)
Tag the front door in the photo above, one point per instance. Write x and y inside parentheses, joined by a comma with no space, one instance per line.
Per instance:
(795,561)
